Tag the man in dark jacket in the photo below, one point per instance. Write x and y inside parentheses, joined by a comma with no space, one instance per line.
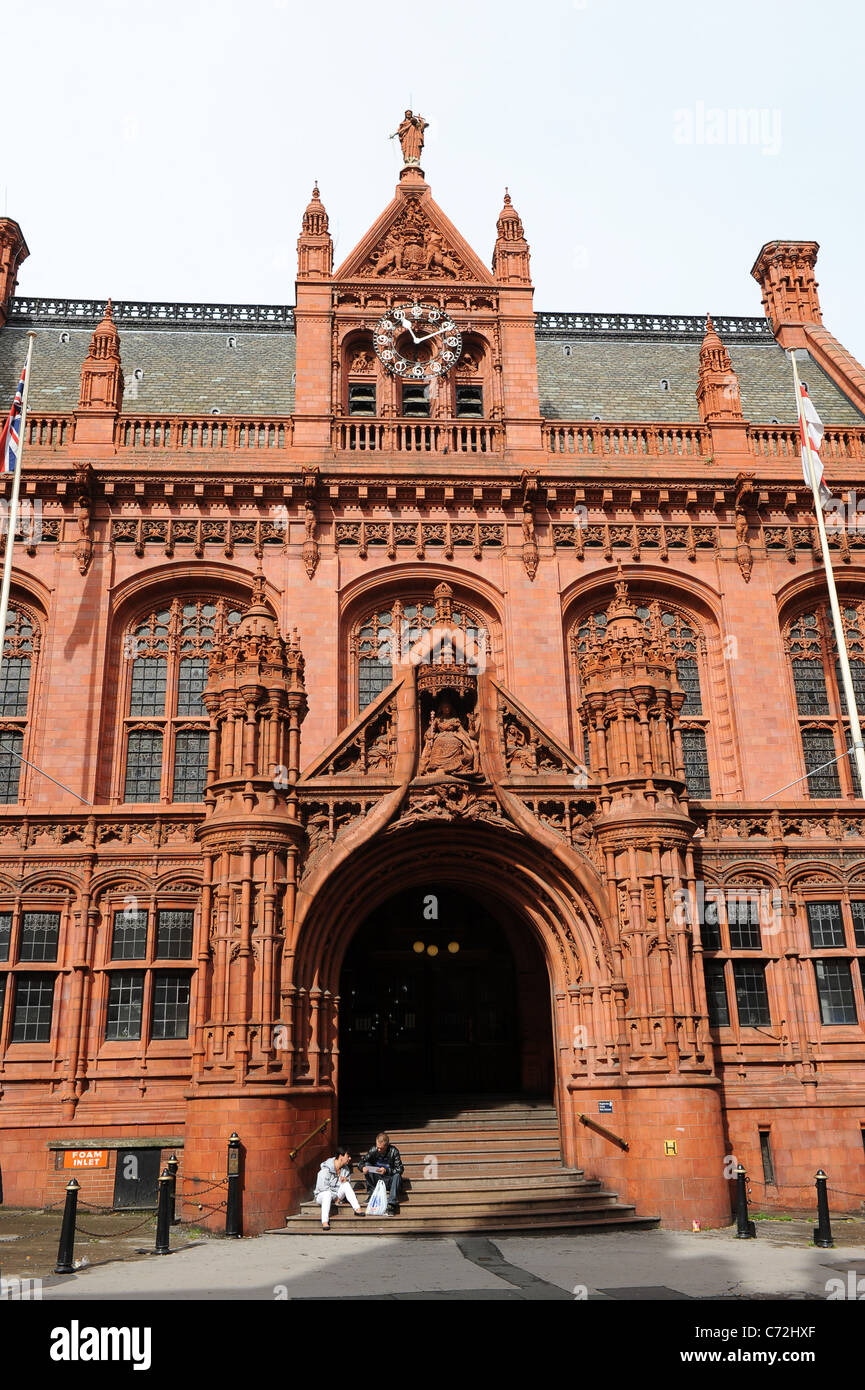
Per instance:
(384,1163)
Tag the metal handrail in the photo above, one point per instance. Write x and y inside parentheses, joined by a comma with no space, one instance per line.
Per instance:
(600,1129)
(294,1152)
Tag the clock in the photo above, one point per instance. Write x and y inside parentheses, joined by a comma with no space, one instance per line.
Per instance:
(417,342)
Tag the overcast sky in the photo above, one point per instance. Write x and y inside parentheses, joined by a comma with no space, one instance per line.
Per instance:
(166,149)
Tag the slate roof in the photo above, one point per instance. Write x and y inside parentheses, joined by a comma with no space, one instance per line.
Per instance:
(185,371)
(588,365)
(621,380)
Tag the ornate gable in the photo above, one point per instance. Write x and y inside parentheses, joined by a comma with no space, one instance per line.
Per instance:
(414,241)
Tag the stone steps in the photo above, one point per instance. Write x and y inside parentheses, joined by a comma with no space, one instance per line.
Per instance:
(499,1168)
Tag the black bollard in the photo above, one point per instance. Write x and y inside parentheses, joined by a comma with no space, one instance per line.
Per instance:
(64,1263)
(163,1214)
(745,1229)
(173,1165)
(232,1203)
(823,1229)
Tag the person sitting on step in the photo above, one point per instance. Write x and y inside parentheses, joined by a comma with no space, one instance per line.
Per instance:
(384,1163)
(333,1181)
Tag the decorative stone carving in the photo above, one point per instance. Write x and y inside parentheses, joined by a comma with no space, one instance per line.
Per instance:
(413,249)
(449,748)
(410,133)
(310,544)
(744,557)
(527,752)
(447,800)
(83,511)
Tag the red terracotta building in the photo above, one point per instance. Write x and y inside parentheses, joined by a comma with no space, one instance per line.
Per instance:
(411,691)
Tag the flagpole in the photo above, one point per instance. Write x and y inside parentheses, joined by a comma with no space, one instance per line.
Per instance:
(840,641)
(12,516)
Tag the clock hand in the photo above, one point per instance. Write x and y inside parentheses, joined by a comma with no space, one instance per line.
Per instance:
(435,334)
(406,324)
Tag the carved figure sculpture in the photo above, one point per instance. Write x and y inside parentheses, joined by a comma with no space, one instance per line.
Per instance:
(410,131)
(448,749)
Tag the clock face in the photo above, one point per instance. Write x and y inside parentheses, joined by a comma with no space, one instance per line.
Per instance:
(417,342)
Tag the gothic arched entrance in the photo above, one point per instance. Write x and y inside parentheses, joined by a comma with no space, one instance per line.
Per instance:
(443,992)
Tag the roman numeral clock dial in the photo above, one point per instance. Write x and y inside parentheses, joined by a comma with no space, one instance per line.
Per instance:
(417,342)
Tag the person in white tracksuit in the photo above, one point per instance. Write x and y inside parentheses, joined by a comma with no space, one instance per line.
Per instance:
(332,1181)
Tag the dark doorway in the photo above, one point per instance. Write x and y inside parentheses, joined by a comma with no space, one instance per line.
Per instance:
(431,1000)
(136,1178)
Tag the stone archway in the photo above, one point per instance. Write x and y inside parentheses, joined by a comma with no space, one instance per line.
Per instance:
(549,918)
(443,992)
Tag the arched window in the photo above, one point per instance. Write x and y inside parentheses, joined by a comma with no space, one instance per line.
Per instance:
(165,732)
(19,652)
(809,642)
(688,649)
(385,636)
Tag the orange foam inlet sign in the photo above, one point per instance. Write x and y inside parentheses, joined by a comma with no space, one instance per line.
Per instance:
(85,1158)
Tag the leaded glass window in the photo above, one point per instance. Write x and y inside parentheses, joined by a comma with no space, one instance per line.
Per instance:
(125,1003)
(716,994)
(40,934)
(170,1004)
(825,925)
(18,651)
(11,753)
(190,764)
(809,640)
(174,933)
(710,929)
(33,1008)
(752,997)
(5,934)
(386,636)
(191,683)
(143,765)
(835,991)
(810,682)
(129,935)
(169,650)
(743,919)
(696,760)
(857,908)
(148,686)
(20,648)
(821,762)
(687,648)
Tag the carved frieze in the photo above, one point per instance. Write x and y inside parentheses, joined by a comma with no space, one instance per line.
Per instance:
(413,249)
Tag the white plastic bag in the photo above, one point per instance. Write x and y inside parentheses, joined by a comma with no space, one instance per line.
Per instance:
(377,1204)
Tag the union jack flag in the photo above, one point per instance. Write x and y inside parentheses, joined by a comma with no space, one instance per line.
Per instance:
(9,435)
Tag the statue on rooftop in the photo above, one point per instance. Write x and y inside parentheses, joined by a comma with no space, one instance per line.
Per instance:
(410,132)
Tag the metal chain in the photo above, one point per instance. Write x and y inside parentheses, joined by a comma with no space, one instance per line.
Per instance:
(108,1235)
